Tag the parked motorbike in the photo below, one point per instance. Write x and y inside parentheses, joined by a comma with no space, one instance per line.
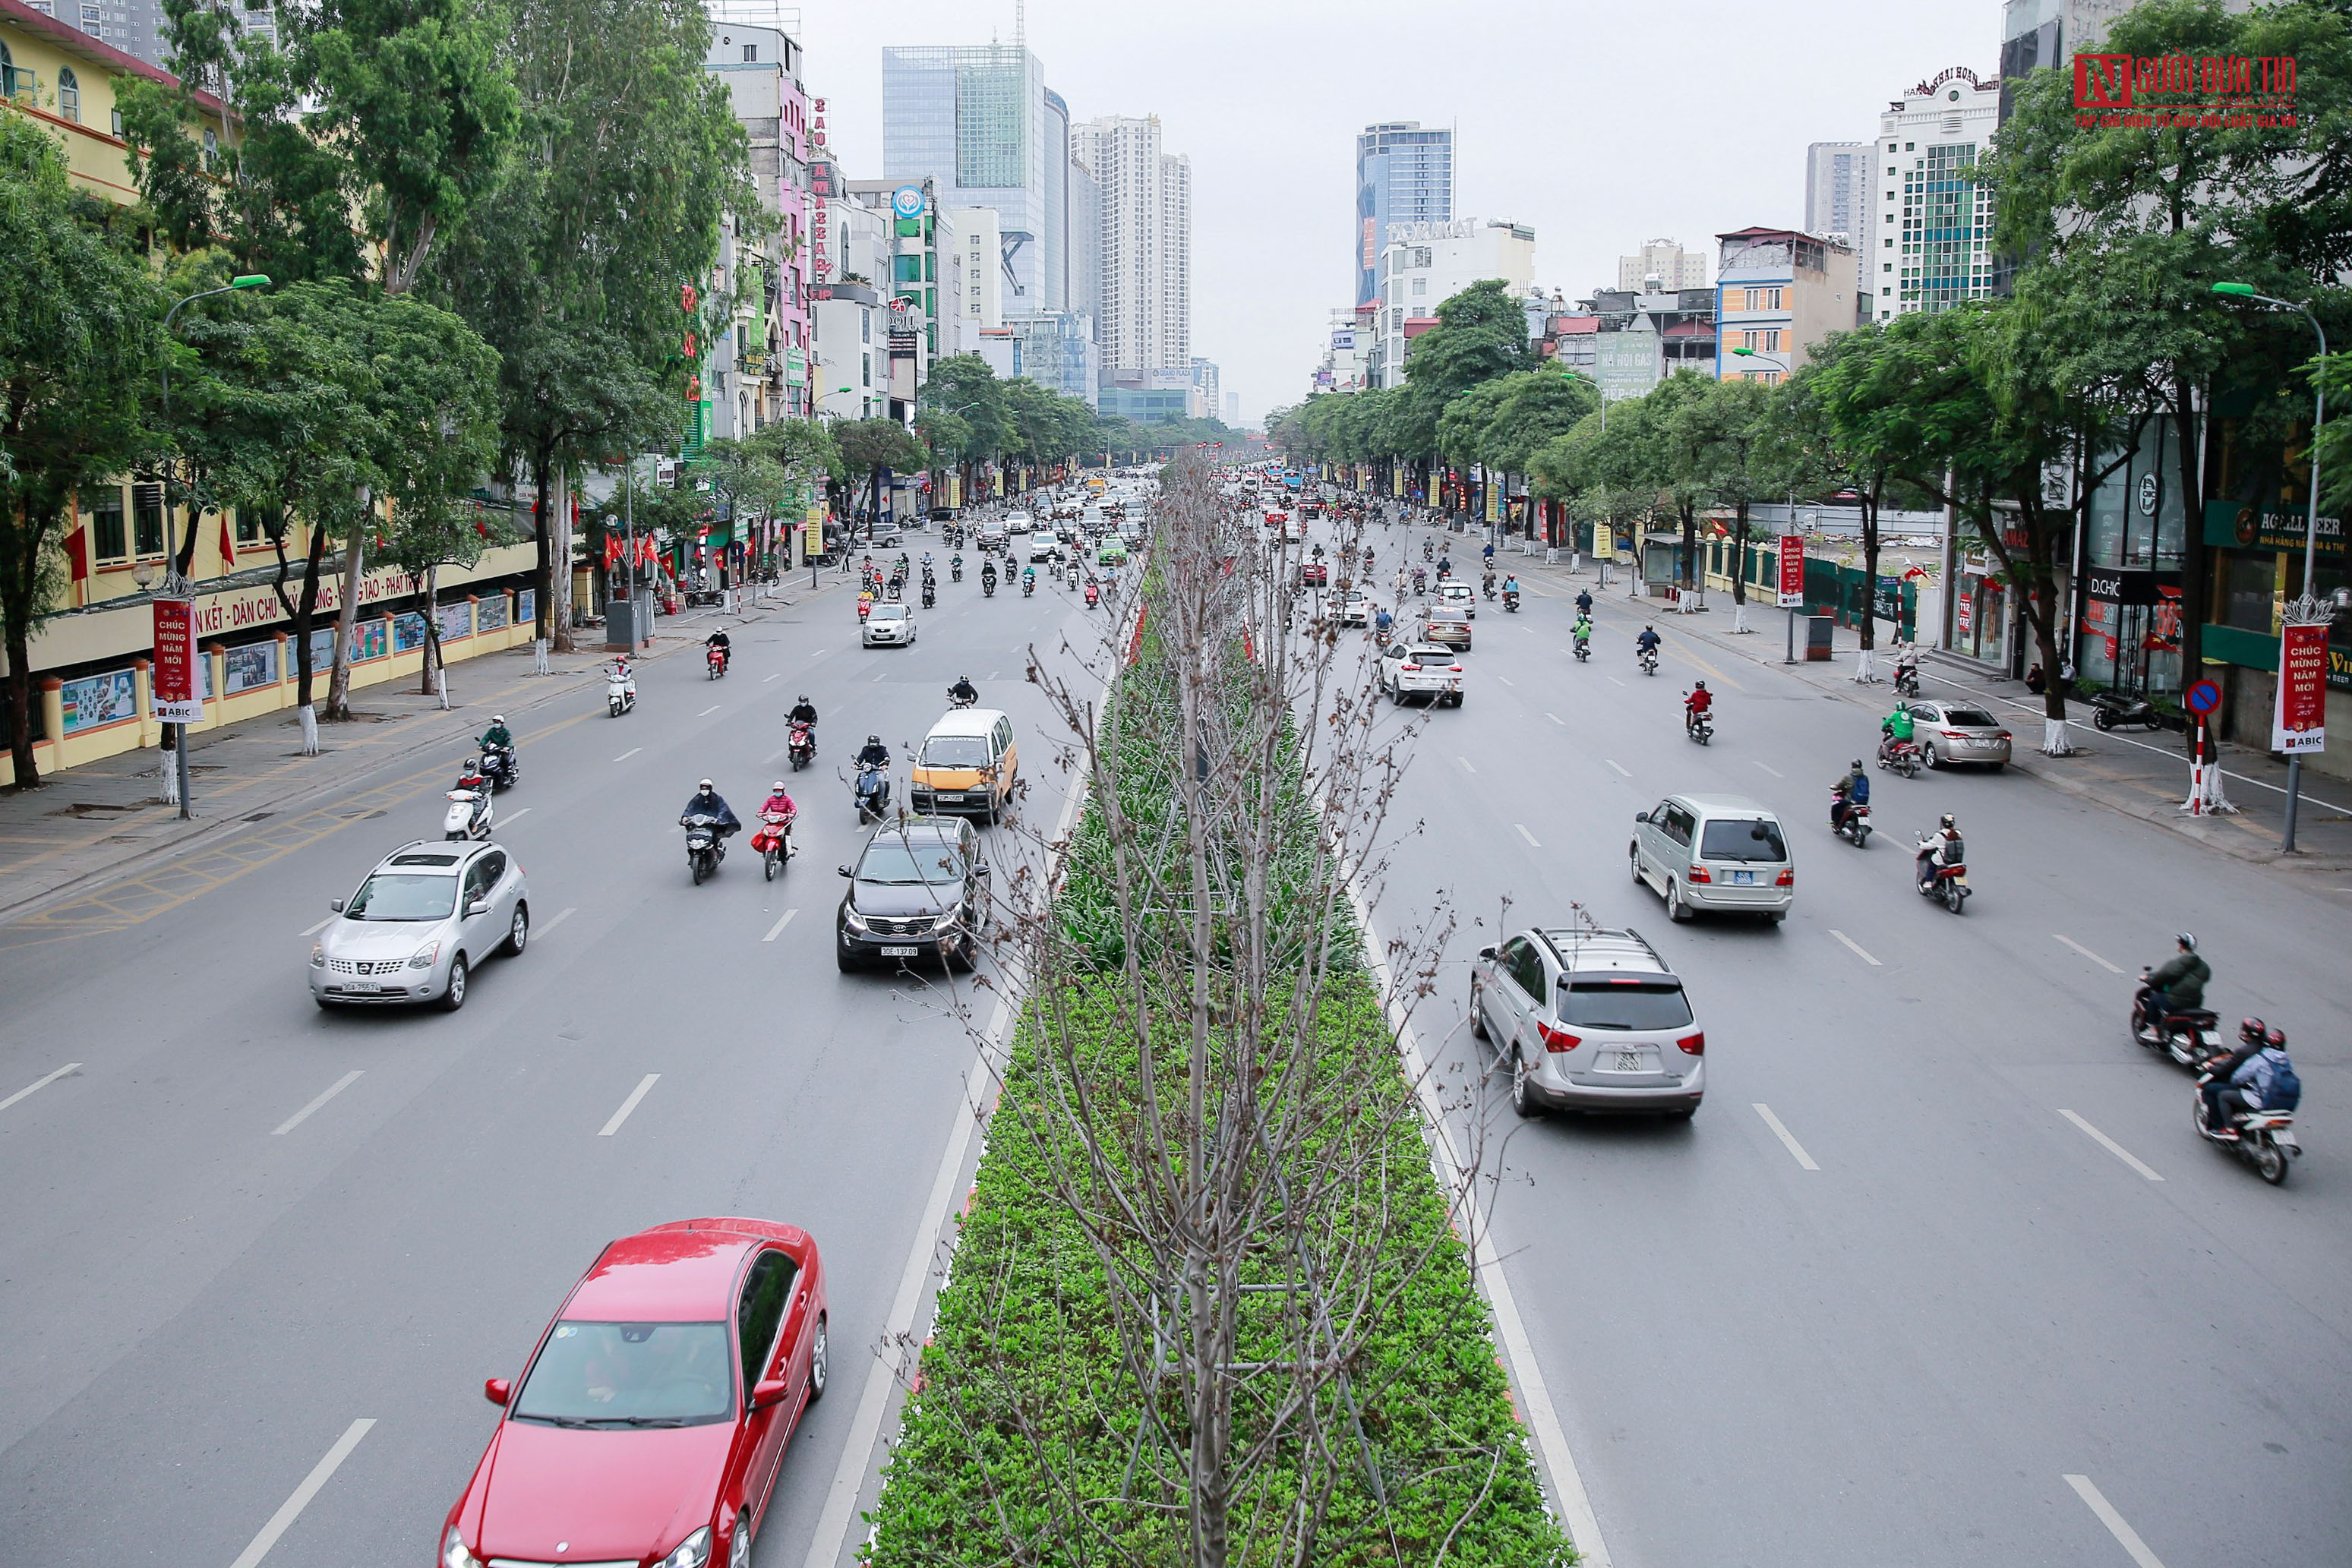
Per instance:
(872,793)
(1853,823)
(2190,1036)
(2112,710)
(619,690)
(774,842)
(802,744)
(501,767)
(1649,661)
(468,816)
(714,662)
(1947,884)
(706,846)
(2265,1139)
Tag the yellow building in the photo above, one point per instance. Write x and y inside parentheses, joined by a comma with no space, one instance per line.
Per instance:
(57,74)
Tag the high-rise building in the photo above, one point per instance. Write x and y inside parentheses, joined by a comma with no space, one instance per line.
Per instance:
(1423,265)
(2049,32)
(979,123)
(1837,187)
(1928,244)
(762,67)
(1145,237)
(1208,398)
(1665,260)
(1086,239)
(1055,349)
(979,238)
(1404,174)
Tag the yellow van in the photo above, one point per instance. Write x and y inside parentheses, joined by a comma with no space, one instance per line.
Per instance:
(967,765)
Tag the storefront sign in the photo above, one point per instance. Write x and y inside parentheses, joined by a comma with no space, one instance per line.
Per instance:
(2299,719)
(1792,571)
(176,699)
(2129,585)
(2237,525)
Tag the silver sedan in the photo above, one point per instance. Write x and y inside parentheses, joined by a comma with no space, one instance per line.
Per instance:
(1959,732)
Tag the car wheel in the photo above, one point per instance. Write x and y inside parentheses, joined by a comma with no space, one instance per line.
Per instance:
(1995,767)
(1685,1114)
(1927,756)
(1478,1013)
(739,1551)
(455,997)
(843,960)
(1677,910)
(1523,1098)
(818,1366)
(1633,861)
(960,958)
(519,931)
(324,1005)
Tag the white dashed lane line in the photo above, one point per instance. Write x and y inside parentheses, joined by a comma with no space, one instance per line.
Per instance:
(2125,1536)
(1621,770)
(312,1484)
(2111,1146)
(1855,948)
(645,1087)
(1466,765)
(37,1084)
(1527,835)
(2086,953)
(1788,1139)
(626,754)
(778,928)
(299,1117)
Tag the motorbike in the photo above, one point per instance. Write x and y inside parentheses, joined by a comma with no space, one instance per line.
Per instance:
(706,846)
(1583,649)
(2190,1036)
(988,585)
(619,690)
(2265,1139)
(956,571)
(715,661)
(1947,885)
(1853,823)
(1901,757)
(468,816)
(1700,726)
(1906,680)
(872,792)
(1094,595)
(2111,710)
(1649,661)
(895,590)
(1511,600)
(774,842)
(1028,586)
(930,596)
(501,767)
(1420,582)
(955,701)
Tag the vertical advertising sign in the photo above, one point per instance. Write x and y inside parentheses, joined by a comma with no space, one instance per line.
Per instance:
(1793,571)
(2299,721)
(177,697)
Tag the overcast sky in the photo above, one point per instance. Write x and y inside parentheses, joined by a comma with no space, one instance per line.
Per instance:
(1602,125)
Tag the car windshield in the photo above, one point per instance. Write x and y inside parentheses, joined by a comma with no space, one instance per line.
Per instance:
(1742,839)
(1622,1004)
(956,751)
(630,1374)
(898,863)
(890,612)
(390,896)
(1969,718)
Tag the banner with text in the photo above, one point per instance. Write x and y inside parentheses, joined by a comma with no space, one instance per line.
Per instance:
(2299,719)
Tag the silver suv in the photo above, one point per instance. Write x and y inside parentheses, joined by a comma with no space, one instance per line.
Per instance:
(1587,1020)
(424,918)
(1714,851)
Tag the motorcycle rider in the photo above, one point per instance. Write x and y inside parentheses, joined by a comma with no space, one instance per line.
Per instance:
(873,754)
(1896,729)
(804,712)
(1699,703)
(2229,1083)
(1582,630)
(988,575)
(1510,585)
(955,566)
(1854,789)
(2178,985)
(706,801)
(1584,602)
(1906,664)
(779,802)
(1445,566)
(1486,583)
(1028,580)
(865,602)
(963,690)
(1647,642)
(498,737)
(1936,851)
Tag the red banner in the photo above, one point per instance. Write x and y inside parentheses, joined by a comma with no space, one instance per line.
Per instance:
(2299,722)
(176,696)
(1792,571)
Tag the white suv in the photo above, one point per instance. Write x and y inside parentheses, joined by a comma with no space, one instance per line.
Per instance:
(427,915)
(1587,1020)
(1422,670)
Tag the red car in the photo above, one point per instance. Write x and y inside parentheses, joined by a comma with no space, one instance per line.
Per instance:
(1313,574)
(651,1422)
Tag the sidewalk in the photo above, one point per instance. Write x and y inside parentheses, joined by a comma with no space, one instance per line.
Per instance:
(87,826)
(2143,775)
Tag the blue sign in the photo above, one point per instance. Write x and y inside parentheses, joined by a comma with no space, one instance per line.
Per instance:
(2203,697)
(906,200)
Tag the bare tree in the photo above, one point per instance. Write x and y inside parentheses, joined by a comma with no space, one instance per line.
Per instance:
(1242,1187)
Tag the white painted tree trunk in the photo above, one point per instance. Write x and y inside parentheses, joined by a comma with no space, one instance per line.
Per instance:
(2056,738)
(1739,627)
(308,714)
(1865,665)
(170,773)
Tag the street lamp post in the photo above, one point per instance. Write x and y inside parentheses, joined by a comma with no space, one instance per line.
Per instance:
(175,581)
(2309,607)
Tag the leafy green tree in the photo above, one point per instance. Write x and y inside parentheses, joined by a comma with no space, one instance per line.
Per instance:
(81,346)
(873,447)
(1722,439)
(1481,334)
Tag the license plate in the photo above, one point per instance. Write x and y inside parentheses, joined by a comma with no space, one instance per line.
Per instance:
(363,987)
(1632,1061)
(897,952)
(1743,879)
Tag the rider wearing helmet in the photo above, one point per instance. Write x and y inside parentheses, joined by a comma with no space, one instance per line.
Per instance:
(873,754)
(2179,982)
(707,801)
(963,690)
(1854,789)
(498,737)
(803,711)
(2227,1084)
(1699,703)
(1940,848)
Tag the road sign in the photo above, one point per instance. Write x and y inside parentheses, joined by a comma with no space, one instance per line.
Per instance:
(1792,571)
(176,699)
(2203,697)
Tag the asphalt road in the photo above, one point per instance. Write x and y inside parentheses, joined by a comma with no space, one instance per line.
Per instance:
(1892,1336)
(204,1289)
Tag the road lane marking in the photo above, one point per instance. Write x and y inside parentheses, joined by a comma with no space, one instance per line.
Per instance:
(1788,1139)
(626,754)
(1557,719)
(2112,1147)
(765,679)
(1465,763)
(706,712)
(645,1086)
(1613,680)
(1505,679)
(992,675)
(2086,953)
(323,925)
(1770,768)
(1855,948)
(1614,763)
(2125,1536)
(513,817)
(37,1084)
(299,1117)
(1527,835)
(778,928)
(312,1484)
(880,678)
(561,916)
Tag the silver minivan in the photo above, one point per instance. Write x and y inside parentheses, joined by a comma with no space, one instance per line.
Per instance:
(1722,852)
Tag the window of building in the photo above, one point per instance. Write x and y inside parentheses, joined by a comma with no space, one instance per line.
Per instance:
(15,83)
(69,95)
(212,148)
(107,538)
(249,530)
(751,53)
(115,124)
(147,519)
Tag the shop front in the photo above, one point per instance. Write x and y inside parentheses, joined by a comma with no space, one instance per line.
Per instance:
(2130,631)
(1982,613)
(2257,564)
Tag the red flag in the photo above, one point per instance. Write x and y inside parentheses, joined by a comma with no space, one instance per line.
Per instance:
(228,543)
(77,554)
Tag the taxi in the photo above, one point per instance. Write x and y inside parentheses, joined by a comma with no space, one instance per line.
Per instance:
(967,765)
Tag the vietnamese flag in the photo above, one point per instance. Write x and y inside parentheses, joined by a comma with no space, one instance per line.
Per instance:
(229,544)
(77,554)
